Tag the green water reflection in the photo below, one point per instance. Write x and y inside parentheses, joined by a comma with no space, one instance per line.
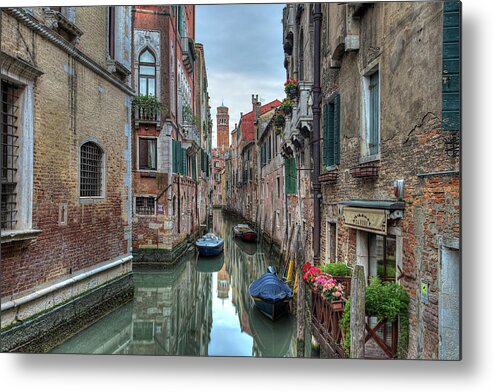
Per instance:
(201,307)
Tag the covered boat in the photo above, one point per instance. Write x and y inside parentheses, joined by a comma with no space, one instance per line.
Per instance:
(209,245)
(244,232)
(271,295)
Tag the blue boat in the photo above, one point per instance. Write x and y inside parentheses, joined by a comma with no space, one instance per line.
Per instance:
(271,295)
(209,245)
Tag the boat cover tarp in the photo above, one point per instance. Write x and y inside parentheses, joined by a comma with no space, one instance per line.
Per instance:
(270,288)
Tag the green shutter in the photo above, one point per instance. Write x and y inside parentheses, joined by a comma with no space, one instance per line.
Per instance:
(194,167)
(330,135)
(175,153)
(183,169)
(326,135)
(337,129)
(451,66)
(290,176)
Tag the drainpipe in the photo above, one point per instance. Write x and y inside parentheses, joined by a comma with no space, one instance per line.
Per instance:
(317,18)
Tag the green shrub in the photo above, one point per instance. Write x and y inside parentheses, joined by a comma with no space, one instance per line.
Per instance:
(147,102)
(345,325)
(336,269)
(385,300)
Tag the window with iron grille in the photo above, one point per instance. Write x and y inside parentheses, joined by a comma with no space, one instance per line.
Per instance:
(10,153)
(145,205)
(91,170)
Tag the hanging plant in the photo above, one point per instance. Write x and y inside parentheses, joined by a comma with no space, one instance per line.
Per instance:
(291,88)
(287,106)
(279,131)
(279,119)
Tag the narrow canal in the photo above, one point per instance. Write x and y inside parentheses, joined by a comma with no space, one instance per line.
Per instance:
(200,307)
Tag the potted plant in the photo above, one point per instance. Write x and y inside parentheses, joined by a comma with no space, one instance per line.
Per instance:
(279,119)
(287,106)
(324,284)
(291,88)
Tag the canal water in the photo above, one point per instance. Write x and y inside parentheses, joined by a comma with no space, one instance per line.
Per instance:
(200,307)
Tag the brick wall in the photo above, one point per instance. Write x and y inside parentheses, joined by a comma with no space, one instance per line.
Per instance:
(71,104)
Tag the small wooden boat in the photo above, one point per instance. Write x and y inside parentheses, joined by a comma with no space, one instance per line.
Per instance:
(209,245)
(271,295)
(245,232)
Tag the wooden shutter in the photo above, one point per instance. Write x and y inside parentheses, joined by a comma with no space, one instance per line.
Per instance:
(451,66)
(183,162)
(330,134)
(337,129)
(194,168)
(374,114)
(290,175)
(326,135)
(174,151)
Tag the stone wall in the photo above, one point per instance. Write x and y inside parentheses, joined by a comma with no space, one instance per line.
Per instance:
(405,42)
(75,101)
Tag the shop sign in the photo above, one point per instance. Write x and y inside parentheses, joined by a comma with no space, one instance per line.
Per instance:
(367,219)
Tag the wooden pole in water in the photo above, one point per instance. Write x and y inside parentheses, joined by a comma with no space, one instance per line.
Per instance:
(357,318)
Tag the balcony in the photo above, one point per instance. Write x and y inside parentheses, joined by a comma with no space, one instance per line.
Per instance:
(60,23)
(299,124)
(191,138)
(188,53)
(146,110)
(301,116)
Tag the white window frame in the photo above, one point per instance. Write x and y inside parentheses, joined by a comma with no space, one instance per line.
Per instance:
(25,161)
(365,113)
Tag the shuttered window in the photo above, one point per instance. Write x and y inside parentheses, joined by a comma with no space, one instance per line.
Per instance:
(451,66)
(179,158)
(331,143)
(290,176)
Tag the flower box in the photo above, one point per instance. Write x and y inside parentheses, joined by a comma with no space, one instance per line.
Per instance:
(337,306)
(328,177)
(366,170)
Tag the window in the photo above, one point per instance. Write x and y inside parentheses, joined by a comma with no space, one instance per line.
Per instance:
(331,145)
(111,31)
(382,256)
(145,205)
(372,114)
(147,73)
(147,154)
(91,170)
(290,176)
(278,180)
(10,153)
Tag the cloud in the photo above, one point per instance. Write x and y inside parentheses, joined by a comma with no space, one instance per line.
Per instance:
(243,53)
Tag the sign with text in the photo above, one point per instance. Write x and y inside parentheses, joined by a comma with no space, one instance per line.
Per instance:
(367,219)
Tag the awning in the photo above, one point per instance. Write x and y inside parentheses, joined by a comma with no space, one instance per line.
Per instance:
(370,215)
(390,205)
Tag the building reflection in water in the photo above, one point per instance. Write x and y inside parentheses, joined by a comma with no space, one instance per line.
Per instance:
(178,311)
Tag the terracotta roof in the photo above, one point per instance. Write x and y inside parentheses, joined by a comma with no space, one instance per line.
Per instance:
(247,126)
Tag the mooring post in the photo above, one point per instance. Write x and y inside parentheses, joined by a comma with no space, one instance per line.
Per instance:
(357,319)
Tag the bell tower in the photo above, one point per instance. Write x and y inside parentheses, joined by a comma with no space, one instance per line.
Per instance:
(222,125)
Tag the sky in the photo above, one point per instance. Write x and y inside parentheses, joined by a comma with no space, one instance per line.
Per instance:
(243,55)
